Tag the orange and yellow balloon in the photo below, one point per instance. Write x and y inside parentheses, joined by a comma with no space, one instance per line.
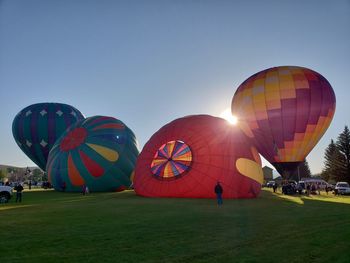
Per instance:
(285,111)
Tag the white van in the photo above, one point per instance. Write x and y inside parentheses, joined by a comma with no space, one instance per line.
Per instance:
(320,183)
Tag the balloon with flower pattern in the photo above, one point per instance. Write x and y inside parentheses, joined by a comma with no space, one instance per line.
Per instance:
(99,152)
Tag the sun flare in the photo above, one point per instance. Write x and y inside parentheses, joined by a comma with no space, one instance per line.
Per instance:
(226,114)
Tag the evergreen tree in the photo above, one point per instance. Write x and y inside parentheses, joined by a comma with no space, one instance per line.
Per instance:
(343,145)
(304,170)
(337,158)
(330,171)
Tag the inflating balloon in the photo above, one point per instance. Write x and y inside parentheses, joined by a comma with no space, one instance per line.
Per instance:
(285,111)
(38,126)
(187,157)
(98,152)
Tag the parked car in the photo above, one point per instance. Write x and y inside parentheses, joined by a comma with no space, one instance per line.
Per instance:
(289,188)
(5,193)
(342,188)
(319,183)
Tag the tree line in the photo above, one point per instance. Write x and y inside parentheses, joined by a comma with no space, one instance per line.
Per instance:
(14,174)
(337,159)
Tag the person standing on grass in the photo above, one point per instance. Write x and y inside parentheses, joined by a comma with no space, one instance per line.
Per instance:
(218,191)
(274,187)
(308,189)
(19,189)
(84,189)
(64,185)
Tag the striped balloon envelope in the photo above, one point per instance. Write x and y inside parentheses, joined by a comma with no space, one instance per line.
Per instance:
(188,156)
(99,152)
(37,127)
(285,111)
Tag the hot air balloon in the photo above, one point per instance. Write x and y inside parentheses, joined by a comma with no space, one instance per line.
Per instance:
(285,111)
(188,156)
(99,152)
(38,126)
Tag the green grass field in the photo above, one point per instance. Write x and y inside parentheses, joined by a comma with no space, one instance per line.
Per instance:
(121,227)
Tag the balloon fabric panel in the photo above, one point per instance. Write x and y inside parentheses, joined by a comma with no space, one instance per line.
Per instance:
(73,173)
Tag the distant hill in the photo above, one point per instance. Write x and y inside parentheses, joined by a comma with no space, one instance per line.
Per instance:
(4,167)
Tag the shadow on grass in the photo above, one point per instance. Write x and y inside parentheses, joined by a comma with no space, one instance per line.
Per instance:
(301,199)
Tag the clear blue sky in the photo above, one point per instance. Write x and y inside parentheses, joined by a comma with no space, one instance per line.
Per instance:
(149,62)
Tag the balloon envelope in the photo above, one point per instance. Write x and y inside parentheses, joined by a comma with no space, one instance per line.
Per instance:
(187,157)
(99,152)
(285,111)
(38,126)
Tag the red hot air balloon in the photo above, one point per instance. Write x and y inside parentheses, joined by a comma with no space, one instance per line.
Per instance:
(187,157)
(285,111)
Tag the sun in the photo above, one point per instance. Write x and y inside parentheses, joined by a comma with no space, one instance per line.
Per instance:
(226,114)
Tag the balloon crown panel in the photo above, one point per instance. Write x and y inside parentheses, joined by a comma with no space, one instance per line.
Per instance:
(38,126)
(285,111)
(172,160)
(99,152)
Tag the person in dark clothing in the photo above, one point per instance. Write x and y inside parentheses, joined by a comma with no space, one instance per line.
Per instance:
(64,185)
(19,189)
(84,189)
(313,189)
(308,187)
(274,187)
(218,191)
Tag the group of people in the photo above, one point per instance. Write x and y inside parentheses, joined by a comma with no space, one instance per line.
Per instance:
(19,189)
(84,188)
(293,188)
(312,189)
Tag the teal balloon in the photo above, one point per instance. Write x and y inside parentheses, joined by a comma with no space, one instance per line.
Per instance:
(37,127)
(99,152)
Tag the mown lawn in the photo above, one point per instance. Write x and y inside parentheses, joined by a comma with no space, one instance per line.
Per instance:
(121,227)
